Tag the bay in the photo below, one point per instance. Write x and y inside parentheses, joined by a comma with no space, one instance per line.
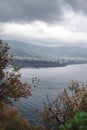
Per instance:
(51,82)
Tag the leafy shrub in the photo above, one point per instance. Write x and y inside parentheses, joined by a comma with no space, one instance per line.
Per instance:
(10,119)
(72,99)
(11,86)
(78,122)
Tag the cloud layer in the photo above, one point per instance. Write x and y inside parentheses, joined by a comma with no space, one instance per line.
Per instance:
(42,10)
(77,5)
(72,29)
(52,20)
(30,10)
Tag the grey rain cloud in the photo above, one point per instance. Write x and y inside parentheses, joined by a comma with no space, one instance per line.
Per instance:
(43,10)
(30,10)
(54,20)
(78,5)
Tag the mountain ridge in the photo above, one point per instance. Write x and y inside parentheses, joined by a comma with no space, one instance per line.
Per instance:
(30,55)
(28,49)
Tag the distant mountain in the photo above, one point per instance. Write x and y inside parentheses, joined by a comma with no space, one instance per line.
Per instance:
(30,50)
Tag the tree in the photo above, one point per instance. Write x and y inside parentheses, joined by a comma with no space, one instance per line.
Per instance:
(11,86)
(72,99)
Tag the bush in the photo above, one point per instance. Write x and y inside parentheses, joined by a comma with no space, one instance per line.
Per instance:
(72,99)
(78,122)
(10,119)
(11,86)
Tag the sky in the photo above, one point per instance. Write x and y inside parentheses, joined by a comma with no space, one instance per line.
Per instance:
(44,22)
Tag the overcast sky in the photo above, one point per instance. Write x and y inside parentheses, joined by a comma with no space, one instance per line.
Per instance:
(57,21)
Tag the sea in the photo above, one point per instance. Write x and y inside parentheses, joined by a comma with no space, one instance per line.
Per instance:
(49,82)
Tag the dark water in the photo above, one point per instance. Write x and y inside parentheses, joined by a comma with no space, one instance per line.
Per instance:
(52,82)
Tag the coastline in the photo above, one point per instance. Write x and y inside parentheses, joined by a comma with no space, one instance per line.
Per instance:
(43,64)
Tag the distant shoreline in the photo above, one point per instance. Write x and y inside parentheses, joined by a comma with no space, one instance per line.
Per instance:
(43,64)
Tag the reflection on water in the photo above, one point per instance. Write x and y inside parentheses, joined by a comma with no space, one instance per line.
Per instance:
(51,82)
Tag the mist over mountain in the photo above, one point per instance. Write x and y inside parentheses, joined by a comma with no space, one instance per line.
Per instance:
(30,50)
(31,55)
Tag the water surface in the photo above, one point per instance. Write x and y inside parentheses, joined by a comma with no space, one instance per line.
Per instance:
(52,81)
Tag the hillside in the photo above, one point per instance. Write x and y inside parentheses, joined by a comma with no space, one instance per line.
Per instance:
(26,54)
(26,49)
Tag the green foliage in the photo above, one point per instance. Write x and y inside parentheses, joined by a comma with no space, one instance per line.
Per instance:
(65,105)
(78,122)
(55,114)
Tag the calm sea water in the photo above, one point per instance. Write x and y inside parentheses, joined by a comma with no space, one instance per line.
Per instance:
(52,81)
